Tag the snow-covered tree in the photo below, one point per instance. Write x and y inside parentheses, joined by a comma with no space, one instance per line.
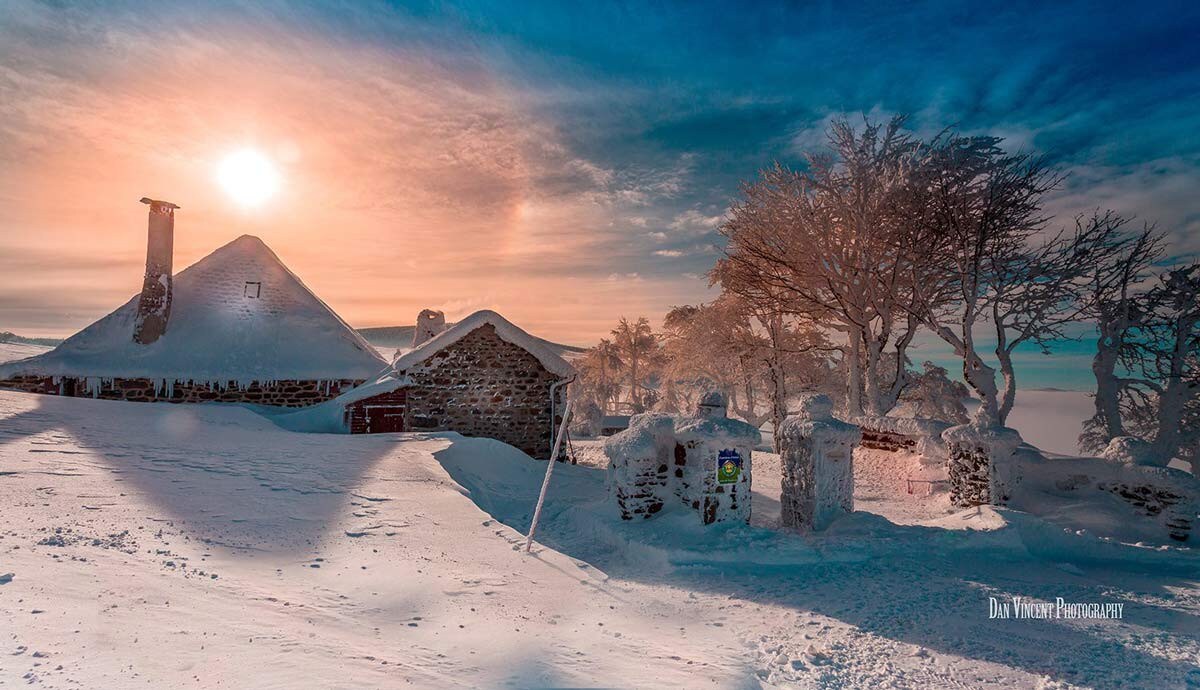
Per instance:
(600,371)
(749,356)
(970,215)
(1116,306)
(639,349)
(824,245)
(1037,291)
(933,395)
(1163,358)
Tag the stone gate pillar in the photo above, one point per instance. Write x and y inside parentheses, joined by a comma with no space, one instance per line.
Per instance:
(639,460)
(712,462)
(982,463)
(818,466)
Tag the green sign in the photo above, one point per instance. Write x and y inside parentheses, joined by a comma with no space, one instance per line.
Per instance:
(729,466)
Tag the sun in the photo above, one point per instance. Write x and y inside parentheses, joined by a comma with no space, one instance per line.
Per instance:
(248,177)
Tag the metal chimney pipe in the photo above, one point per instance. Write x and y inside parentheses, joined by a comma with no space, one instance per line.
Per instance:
(154,305)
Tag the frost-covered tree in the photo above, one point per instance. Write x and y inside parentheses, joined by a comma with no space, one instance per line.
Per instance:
(639,349)
(933,395)
(756,359)
(1116,305)
(710,347)
(600,371)
(823,245)
(970,215)
(1037,291)
(1163,358)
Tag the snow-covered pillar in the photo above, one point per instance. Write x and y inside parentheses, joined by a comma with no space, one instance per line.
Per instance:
(430,323)
(982,463)
(154,305)
(713,462)
(639,461)
(817,454)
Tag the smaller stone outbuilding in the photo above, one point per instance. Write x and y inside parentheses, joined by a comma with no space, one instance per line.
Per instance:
(483,376)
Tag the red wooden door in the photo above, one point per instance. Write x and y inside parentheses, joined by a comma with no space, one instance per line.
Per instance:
(384,419)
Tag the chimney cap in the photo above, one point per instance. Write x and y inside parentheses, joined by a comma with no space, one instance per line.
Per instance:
(157,202)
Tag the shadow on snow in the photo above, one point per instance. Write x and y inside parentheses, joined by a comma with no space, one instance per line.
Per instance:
(925,586)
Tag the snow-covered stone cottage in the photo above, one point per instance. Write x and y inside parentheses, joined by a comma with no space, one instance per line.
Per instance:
(237,326)
(483,376)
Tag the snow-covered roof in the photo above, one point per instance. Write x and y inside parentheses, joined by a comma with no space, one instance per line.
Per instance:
(504,328)
(238,314)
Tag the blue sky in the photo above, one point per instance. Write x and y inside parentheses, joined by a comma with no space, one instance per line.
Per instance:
(629,127)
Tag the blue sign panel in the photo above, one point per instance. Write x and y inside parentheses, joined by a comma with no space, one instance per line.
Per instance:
(729,466)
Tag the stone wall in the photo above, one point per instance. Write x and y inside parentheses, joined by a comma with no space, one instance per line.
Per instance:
(982,465)
(46,385)
(1171,507)
(287,393)
(880,439)
(482,385)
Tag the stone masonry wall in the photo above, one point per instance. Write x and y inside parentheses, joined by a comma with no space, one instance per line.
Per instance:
(483,386)
(32,384)
(287,393)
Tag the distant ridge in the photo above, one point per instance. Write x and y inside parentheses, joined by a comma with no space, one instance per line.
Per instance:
(401,337)
(10,337)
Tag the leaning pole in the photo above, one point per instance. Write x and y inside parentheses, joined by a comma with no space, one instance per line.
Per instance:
(537,512)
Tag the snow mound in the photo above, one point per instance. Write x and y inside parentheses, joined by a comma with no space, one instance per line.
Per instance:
(237,315)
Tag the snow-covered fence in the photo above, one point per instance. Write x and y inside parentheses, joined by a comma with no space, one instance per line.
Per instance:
(639,461)
(902,434)
(982,463)
(818,466)
(703,461)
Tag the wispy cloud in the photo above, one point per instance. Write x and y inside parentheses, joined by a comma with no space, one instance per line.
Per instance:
(528,153)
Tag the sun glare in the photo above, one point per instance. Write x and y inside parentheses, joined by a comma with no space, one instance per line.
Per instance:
(248,177)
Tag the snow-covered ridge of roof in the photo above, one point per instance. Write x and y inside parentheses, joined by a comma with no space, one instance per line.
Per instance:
(238,314)
(504,328)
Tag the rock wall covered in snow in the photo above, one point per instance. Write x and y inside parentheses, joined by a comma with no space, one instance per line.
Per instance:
(902,434)
(291,393)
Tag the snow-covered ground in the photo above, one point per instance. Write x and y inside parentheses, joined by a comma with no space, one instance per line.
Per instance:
(202,546)
(11,351)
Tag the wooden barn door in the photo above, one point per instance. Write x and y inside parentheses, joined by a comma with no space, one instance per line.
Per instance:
(383,419)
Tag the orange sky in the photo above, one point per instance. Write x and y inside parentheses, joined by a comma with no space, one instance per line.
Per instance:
(562,163)
(410,180)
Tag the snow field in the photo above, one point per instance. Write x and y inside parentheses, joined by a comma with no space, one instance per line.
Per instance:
(386,560)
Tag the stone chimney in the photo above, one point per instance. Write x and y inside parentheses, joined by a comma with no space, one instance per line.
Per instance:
(429,324)
(154,305)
